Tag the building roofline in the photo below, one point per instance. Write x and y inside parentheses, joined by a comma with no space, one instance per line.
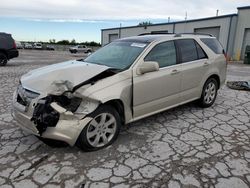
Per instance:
(177,22)
(245,7)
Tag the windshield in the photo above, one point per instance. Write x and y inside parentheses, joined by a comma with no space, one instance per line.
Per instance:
(118,55)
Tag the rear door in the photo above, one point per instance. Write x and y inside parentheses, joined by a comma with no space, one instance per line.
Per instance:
(155,91)
(194,64)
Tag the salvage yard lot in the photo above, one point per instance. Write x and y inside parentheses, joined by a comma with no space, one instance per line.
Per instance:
(183,147)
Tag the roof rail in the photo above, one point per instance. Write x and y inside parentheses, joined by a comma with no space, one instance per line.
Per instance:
(157,33)
(205,34)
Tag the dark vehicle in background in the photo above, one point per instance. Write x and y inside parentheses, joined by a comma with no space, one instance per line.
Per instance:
(49,47)
(8,48)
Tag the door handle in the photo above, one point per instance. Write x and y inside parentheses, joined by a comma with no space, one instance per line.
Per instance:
(206,64)
(175,71)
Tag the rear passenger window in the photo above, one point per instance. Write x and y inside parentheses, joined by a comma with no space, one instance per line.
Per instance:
(200,52)
(187,50)
(163,53)
(213,44)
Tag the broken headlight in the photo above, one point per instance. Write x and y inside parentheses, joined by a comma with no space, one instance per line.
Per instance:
(68,101)
(45,116)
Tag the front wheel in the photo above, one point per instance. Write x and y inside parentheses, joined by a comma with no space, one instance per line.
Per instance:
(209,93)
(3,59)
(101,131)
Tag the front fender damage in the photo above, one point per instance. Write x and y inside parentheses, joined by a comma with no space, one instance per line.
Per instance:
(63,113)
(53,110)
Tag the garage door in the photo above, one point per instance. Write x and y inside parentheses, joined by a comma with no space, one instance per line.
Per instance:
(113,37)
(215,31)
(246,41)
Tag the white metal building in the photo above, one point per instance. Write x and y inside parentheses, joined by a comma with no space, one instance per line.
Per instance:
(233,30)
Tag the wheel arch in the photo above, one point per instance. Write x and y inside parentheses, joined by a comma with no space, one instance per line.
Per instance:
(4,52)
(119,107)
(216,77)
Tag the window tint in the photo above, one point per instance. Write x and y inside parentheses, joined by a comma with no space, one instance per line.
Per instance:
(163,53)
(187,49)
(200,52)
(213,44)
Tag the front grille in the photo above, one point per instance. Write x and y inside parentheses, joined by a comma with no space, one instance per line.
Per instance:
(24,96)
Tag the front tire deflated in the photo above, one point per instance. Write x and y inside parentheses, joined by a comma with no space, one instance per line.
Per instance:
(102,130)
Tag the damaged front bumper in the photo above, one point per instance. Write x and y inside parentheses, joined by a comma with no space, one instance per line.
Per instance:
(67,128)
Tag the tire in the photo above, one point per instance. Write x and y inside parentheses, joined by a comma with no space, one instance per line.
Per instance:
(209,93)
(3,59)
(89,51)
(93,135)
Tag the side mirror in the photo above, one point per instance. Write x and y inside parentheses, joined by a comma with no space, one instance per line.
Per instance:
(147,66)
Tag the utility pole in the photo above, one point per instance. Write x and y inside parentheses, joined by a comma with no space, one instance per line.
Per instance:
(120,30)
(217,12)
(186,15)
(168,19)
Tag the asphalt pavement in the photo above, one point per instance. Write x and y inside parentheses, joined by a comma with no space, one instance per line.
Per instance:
(183,147)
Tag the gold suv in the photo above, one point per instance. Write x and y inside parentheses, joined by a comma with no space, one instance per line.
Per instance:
(85,102)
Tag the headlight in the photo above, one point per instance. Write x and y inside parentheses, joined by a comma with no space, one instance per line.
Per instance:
(67,101)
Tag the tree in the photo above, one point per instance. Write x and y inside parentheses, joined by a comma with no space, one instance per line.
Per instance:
(52,41)
(63,42)
(92,43)
(73,41)
(146,23)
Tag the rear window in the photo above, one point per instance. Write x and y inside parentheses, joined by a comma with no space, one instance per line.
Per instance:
(214,45)
(187,49)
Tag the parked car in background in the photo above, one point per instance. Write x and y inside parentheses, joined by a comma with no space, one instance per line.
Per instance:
(8,48)
(38,46)
(80,49)
(49,47)
(19,45)
(28,46)
(85,102)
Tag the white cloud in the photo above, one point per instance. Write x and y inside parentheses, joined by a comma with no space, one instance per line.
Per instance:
(65,20)
(82,11)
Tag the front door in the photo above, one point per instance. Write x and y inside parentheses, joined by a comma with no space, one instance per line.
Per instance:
(156,91)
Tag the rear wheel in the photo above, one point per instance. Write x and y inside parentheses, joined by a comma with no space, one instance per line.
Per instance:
(209,93)
(101,131)
(3,59)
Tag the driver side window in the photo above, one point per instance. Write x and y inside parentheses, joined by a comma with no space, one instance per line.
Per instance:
(163,53)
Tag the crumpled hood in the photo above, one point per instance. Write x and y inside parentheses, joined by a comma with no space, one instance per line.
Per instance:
(57,78)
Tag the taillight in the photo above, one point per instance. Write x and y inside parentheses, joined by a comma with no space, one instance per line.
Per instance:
(14,44)
(225,56)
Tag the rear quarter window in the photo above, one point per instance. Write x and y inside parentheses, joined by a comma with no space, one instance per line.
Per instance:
(214,45)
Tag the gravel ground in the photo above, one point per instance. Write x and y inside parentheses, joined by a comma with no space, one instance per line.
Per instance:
(183,147)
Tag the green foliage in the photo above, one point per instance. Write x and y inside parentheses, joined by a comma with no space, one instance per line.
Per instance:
(92,43)
(67,42)
(146,23)
(73,42)
(52,41)
(63,42)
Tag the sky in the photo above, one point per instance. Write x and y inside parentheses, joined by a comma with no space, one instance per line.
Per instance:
(82,20)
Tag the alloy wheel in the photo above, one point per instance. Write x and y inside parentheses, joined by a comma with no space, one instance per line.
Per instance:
(101,130)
